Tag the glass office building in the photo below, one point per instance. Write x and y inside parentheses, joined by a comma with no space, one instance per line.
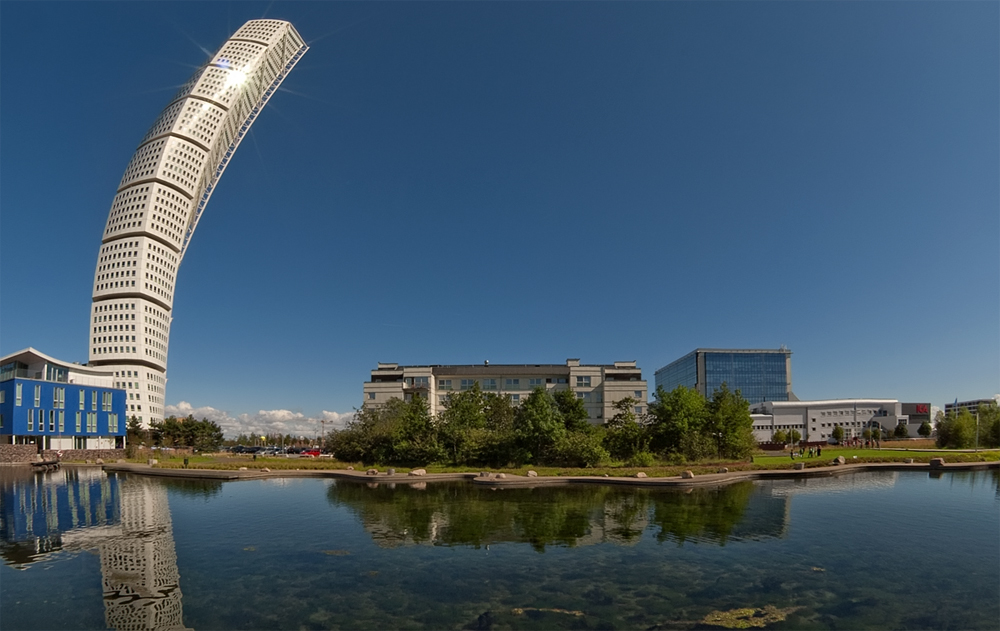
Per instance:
(759,374)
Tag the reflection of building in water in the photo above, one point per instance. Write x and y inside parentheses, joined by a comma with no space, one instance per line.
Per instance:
(766,516)
(862,481)
(139,566)
(126,519)
(37,511)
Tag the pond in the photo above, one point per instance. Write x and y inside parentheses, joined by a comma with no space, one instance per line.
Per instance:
(887,550)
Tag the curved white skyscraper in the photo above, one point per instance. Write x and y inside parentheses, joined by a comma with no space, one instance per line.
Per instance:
(162,195)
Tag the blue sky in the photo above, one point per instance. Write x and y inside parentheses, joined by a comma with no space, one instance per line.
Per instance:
(527,182)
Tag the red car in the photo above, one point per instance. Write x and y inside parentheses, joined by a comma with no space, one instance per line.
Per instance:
(311,453)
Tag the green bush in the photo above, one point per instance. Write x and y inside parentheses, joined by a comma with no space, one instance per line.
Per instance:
(580,449)
(641,459)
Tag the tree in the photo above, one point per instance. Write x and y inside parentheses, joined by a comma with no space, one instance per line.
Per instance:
(677,419)
(780,437)
(728,422)
(925,429)
(538,424)
(464,413)
(135,432)
(957,431)
(794,436)
(989,425)
(574,413)
(838,433)
(901,431)
(203,435)
(627,435)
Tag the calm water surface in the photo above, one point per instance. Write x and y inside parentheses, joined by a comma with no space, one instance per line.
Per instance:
(867,551)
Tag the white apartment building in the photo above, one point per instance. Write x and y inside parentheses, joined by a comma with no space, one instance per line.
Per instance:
(815,420)
(600,386)
(161,197)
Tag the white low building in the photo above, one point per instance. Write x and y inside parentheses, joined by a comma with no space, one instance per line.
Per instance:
(599,386)
(816,420)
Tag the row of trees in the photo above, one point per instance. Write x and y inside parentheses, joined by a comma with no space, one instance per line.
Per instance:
(965,431)
(273,439)
(486,428)
(203,435)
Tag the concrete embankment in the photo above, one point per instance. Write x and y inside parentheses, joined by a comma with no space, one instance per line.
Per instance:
(718,479)
(495,479)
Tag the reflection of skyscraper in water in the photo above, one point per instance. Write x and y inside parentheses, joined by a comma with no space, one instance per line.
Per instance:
(139,567)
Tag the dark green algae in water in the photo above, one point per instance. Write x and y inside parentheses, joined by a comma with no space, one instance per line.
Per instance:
(866,551)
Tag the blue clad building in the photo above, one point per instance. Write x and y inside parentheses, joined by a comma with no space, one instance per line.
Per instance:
(59,405)
(759,374)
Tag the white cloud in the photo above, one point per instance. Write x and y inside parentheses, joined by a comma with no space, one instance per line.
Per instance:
(265,421)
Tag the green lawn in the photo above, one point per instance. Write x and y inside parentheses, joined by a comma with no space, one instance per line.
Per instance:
(854,454)
(760,461)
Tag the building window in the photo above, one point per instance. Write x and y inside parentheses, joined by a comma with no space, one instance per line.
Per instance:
(466,384)
(59,398)
(421,382)
(638,409)
(536,383)
(91,422)
(583,395)
(78,428)
(638,394)
(112,423)
(93,401)
(17,394)
(444,384)
(515,399)
(83,399)
(31,420)
(563,380)
(512,384)
(489,384)
(52,420)
(38,396)
(371,396)
(583,382)
(62,421)
(3,396)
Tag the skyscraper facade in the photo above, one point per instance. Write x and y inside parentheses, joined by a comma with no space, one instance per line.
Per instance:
(161,197)
(759,374)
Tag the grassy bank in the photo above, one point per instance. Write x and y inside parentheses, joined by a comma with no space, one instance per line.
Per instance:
(761,461)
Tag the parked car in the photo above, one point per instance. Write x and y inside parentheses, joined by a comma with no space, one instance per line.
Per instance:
(311,453)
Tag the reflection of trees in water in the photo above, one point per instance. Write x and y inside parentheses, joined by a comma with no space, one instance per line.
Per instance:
(703,514)
(466,514)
